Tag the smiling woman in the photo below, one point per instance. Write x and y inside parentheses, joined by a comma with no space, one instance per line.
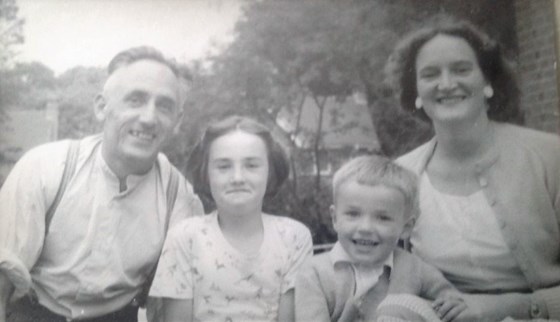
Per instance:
(487,188)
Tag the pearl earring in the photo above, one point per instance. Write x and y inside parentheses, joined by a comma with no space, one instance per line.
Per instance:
(418,103)
(488,91)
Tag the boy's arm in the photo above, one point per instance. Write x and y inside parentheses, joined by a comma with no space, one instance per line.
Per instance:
(310,300)
(6,289)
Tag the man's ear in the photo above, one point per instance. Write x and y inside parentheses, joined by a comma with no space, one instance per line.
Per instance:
(99,107)
(408,228)
(177,127)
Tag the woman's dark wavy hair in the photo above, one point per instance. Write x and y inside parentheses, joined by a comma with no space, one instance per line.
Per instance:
(197,164)
(400,70)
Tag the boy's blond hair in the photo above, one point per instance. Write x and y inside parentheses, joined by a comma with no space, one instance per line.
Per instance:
(372,170)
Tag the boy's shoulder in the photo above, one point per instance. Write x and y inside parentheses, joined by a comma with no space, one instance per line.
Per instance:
(405,260)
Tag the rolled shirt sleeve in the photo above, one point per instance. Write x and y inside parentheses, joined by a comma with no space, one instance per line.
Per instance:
(23,203)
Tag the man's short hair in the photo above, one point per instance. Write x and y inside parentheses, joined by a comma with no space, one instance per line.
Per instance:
(131,55)
(373,170)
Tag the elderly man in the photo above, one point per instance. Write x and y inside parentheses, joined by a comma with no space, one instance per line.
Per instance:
(91,259)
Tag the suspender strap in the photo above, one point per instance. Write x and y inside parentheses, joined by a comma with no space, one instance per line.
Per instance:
(69,169)
(172,189)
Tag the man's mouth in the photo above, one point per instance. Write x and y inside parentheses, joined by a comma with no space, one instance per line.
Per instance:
(146,136)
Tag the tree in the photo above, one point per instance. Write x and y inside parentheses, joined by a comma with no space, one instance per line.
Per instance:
(11,31)
(77,89)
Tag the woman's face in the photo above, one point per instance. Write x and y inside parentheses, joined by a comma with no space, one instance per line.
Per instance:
(449,80)
(238,170)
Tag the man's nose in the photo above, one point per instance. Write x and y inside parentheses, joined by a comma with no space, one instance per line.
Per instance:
(148,113)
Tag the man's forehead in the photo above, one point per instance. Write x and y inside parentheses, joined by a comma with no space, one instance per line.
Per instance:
(144,73)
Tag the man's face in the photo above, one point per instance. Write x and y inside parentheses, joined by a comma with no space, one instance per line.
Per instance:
(140,108)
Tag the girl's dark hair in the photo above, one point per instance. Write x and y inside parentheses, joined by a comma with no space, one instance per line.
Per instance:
(197,164)
(400,70)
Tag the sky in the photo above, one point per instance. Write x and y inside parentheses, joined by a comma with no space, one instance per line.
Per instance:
(65,33)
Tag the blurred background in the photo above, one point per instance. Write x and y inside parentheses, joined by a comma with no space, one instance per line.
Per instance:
(312,70)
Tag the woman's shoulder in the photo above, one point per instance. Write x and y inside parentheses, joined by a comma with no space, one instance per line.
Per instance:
(546,145)
(414,160)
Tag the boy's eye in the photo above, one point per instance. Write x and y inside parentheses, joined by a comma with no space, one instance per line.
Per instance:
(352,213)
(384,217)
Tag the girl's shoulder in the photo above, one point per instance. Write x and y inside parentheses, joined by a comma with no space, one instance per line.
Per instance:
(284,223)
(191,225)
(288,229)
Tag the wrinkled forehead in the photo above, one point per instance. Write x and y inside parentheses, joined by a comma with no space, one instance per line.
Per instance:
(145,75)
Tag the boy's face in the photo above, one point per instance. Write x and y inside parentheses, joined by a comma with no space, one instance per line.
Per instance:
(369,221)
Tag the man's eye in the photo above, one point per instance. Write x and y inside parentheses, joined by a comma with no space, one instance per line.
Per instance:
(135,100)
(166,106)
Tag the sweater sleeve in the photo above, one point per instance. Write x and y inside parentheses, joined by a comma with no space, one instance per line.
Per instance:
(311,300)
(549,300)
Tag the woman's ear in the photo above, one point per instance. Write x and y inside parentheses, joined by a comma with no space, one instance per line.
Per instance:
(99,107)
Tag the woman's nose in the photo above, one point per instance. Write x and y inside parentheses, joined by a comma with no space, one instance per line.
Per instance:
(446,81)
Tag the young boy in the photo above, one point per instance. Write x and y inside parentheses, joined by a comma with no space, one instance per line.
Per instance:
(375,203)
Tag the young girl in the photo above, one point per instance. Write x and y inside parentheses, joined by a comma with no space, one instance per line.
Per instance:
(238,263)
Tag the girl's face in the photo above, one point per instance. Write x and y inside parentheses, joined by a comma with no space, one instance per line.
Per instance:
(238,170)
(449,80)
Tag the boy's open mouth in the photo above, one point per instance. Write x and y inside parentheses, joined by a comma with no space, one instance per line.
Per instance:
(365,242)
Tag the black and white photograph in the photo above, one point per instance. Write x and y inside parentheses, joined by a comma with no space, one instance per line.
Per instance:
(279,160)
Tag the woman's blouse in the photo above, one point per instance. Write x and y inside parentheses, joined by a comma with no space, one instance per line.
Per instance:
(464,241)
(198,263)
(520,180)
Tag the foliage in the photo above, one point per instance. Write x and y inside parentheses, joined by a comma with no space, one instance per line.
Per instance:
(11,31)
(77,90)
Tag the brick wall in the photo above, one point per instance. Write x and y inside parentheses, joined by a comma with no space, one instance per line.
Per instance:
(536,36)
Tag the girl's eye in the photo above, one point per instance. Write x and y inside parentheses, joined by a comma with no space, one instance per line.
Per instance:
(222,166)
(253,165)
(428,75)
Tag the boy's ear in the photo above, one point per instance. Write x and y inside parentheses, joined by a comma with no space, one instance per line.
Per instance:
(408,228)
(332,211)
(99,107)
